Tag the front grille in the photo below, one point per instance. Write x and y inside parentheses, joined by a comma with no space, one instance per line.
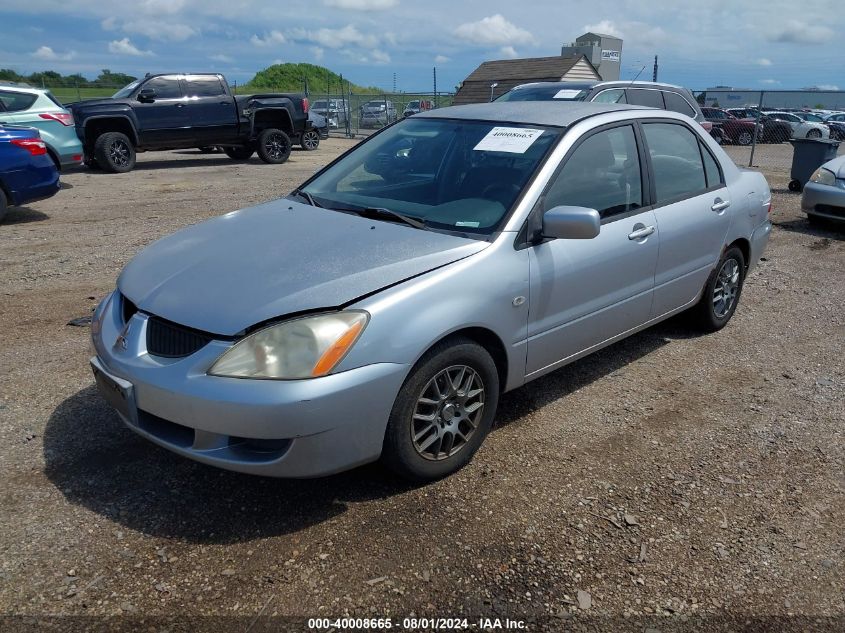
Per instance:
(173,341)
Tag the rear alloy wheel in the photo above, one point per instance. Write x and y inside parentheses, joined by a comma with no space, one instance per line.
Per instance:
(814,133)
(745,138)
(310,140)
(443,411)
(114,152)
(273,146)
(239,153)
(722,291)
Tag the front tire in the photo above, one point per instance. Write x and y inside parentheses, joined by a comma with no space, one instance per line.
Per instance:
(310,140)
(721,292)
(4,205)
(273,146)
(114,152)
(745,138)
(814,133)
(443,411)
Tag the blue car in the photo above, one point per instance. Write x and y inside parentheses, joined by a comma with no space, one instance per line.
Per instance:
(27,173)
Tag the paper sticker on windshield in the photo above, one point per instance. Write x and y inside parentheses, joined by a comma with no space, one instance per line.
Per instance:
(508,139)
(566,93)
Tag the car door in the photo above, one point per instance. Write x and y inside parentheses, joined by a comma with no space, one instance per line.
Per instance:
(212,112)
(163,121)
(692,209)
(585,292)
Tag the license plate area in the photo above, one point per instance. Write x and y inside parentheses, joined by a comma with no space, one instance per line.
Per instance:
(119,393)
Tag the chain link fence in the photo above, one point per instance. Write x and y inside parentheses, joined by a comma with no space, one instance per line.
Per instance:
(755,127)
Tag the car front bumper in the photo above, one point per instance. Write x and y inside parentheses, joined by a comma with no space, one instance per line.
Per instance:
(826,201)
(292,428)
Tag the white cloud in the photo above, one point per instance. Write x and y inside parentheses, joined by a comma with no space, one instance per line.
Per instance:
(493,30)
(798,32)
(441,59)
(46,53)
(109,24)
(348,35)
(222,58)
(159,30)
(125,47)
(319,53)
(379,57)
(827,87)
(769,82)
(764,62)
(605,27)
(509,51)
(362,5)
(273,38)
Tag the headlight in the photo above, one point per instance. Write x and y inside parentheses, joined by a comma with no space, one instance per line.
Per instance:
(823,176)
(307,347)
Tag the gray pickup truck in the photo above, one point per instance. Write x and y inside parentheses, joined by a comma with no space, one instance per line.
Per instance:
(175,111)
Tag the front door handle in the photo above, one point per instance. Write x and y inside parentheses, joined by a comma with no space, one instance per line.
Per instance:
(720,205)
(640,231)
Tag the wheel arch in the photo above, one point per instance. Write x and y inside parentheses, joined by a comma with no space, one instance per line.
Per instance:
(487,339)
(278,117)
(744,246)
(95,126)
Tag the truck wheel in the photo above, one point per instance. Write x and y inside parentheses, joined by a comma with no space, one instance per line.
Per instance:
(4,207)
(114,152)
(273,146)
(238,153)
(310,140)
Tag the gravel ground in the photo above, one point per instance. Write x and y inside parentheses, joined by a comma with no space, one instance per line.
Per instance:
(670,481)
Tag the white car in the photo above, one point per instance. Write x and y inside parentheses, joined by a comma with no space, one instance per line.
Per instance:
(801,128)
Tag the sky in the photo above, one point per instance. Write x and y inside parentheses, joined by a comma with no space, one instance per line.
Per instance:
(757,44)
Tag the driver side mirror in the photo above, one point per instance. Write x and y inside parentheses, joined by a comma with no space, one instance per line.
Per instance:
(571,223)
(147,95)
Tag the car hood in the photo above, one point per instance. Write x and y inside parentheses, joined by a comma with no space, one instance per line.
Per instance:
(246,267)
(89,103)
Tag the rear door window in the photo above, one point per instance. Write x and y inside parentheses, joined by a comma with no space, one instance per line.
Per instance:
(650,98)
(676,161)
(677,103)
(204,87)
(16,101)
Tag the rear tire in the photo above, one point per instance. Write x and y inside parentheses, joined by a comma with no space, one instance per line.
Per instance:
(814,134)
(721,292)
(745,138)
(239,153)
(4,205)
(310,140)
(274,146)
(114,152)
(446,385)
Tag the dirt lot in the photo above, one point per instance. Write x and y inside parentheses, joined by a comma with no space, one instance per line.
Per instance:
(669,481)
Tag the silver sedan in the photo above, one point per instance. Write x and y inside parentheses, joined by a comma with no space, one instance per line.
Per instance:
(381,309)
(824,195)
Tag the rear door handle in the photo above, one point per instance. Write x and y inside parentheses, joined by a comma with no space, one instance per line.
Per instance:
(640,231)
(720,205)
(180,105)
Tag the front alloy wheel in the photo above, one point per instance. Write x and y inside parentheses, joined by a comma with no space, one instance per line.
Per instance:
(273,146)
(448,412)
(310,140)
(443,412)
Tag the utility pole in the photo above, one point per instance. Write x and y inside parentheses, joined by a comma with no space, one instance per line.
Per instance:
(434,74)
(654,76)
(394,83)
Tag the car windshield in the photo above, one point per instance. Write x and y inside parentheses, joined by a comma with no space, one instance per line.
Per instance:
(126,90)
(454,175)
(547,92)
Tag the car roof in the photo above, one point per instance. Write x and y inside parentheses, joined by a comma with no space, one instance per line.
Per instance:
(637,84)
(20,88)
(547,113)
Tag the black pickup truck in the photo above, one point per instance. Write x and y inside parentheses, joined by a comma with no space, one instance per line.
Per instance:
(175,111)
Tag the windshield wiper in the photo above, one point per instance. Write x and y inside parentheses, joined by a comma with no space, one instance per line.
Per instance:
(380,212)
(307,196)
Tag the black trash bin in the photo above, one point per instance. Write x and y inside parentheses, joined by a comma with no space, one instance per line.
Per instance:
(807,156)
